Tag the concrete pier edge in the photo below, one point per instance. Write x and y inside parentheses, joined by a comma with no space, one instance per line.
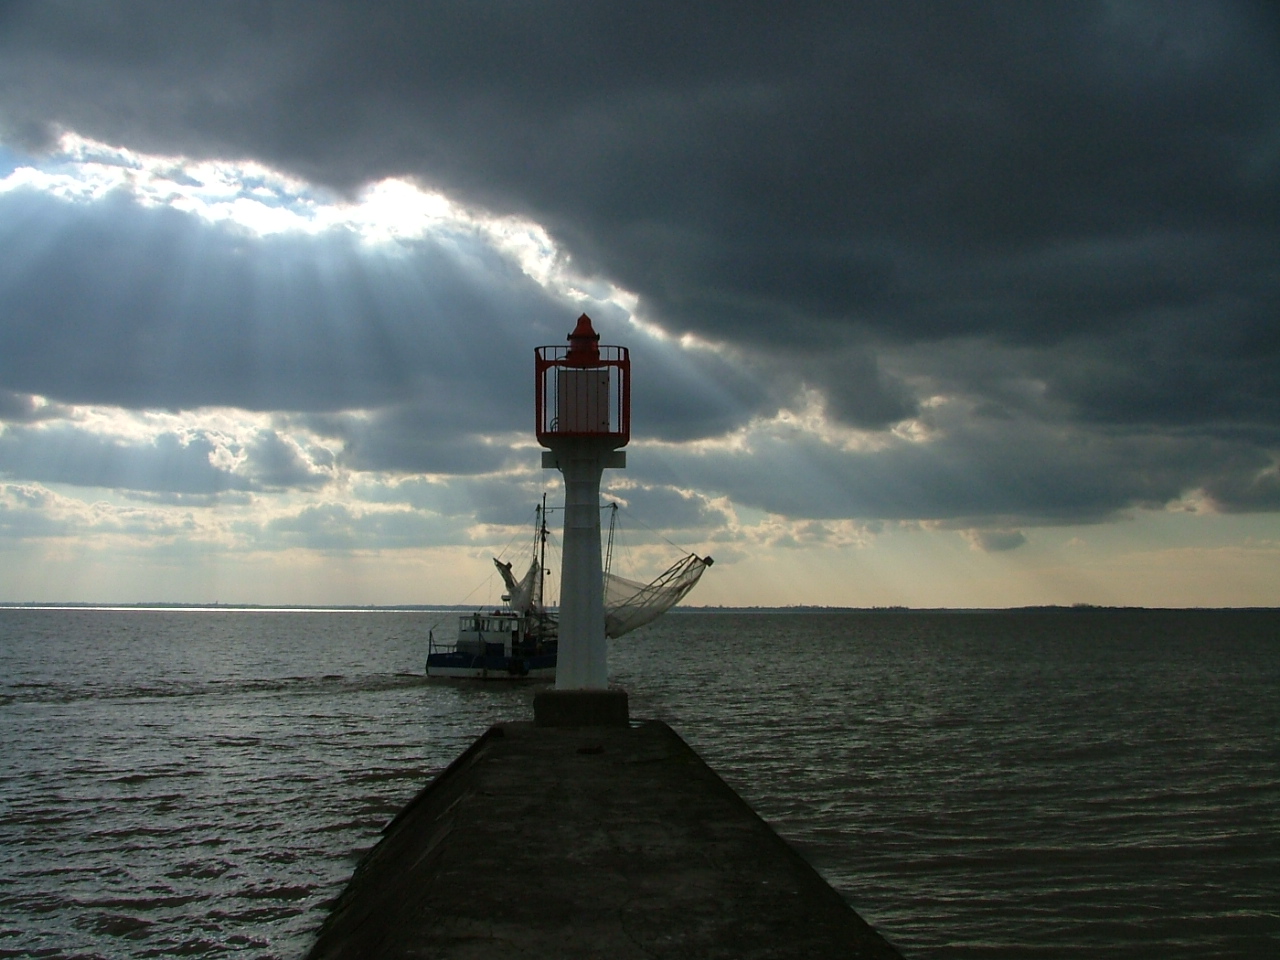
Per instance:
(584,842)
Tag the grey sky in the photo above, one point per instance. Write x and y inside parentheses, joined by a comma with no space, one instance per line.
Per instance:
(1061,218)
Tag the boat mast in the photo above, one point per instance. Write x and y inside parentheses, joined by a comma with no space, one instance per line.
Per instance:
(608,550)
(542,554)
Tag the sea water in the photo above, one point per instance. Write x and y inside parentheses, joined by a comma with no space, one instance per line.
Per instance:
(1060,783)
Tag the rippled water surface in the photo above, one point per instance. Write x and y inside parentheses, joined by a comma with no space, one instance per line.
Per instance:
(1026,784)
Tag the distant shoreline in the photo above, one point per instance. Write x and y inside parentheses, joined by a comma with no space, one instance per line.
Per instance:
(678,611)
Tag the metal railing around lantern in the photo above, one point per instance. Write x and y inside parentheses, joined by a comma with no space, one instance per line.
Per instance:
(583,399)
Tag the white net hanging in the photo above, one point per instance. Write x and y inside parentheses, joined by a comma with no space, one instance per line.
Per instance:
(629,604)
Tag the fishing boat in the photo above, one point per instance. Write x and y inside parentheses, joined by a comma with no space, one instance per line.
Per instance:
(516,642)
(519,640)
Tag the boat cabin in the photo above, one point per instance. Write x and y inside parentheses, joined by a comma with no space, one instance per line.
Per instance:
(494,634)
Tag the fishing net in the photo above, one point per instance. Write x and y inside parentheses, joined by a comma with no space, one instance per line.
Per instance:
(629,604)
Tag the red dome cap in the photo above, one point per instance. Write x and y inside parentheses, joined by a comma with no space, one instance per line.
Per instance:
(584,343)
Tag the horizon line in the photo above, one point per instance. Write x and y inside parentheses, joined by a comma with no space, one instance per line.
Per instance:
(220,607)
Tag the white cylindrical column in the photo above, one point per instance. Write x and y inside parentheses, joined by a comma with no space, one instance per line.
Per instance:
(582,660)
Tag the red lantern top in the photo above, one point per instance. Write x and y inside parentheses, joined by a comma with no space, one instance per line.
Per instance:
(584,344)
(583,391)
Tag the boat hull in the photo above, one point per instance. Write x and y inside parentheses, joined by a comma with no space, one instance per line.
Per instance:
(464,666)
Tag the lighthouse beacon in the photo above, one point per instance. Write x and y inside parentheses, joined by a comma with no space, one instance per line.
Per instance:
(583,399)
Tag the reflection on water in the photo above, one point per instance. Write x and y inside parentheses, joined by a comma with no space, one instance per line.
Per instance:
(978,785)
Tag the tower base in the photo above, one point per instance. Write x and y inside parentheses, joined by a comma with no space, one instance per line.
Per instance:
(581,708)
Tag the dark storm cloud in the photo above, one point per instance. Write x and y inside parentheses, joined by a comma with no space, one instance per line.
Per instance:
(24,515)
(1246,487)
(170,466)
(33,513)
(117,303)
(996,541)
(427,438)
(274,463)
(503,500)
(649,511)
(857,391)
(66,454)
(113,302)
(726,160)
(24,408)
(859,198)
(335,527)
(977,471)
(692,394)
(659,509)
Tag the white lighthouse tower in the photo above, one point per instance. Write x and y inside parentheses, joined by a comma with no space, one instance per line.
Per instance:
(583,396)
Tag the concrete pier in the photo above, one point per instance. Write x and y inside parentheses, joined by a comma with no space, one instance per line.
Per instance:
(601,841)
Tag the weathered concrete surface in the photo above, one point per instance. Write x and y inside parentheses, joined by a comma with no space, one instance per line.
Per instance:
(614,842)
